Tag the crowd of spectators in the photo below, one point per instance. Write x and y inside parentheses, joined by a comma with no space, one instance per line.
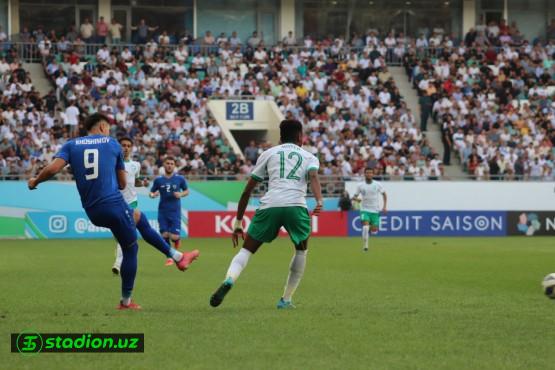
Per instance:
(495,105)
(353,113)
(352,110)
(21,111)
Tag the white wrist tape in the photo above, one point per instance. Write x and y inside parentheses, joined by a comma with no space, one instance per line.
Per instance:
(238,225)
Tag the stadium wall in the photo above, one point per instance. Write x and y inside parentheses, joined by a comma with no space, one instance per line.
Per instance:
(27,214)
(467,195)
(416,209)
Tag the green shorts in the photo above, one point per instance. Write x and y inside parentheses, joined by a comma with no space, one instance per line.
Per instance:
(266,223)
(134,204)
(373,218)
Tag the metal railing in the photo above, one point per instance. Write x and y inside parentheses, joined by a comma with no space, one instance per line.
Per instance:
(35,52)
(330,183)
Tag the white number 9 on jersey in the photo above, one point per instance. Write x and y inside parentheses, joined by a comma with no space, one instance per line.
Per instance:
(90,161)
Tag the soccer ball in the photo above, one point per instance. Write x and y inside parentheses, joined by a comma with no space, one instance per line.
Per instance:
(548,285)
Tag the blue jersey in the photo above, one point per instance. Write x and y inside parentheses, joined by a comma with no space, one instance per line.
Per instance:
(94,161)
(167,186)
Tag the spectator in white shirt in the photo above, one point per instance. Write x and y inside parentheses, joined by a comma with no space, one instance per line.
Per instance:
(3,36)
(289,40)
(260,54)
(126,55)
(103,55)
(71,119)
(86,30)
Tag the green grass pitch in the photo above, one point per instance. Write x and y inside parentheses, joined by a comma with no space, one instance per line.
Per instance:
(410,303)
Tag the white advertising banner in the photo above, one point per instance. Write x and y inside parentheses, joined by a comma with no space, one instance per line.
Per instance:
(466,195)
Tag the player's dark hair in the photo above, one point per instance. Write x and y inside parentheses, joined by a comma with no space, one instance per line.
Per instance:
(169,158)
(95,119)
(126,138)
(289,130)
(368,169)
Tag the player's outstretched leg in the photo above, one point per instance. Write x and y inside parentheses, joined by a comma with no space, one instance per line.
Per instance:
(176,243)
(237,265)
(365,236)
(117,263)
(128,273)
(181,260)
(296,271)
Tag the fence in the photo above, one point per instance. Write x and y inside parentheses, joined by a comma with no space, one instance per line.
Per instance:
(331,184)
(414,208)
(34,52)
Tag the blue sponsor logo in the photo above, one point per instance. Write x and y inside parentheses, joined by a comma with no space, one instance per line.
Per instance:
(239,111)
(440,223)
(75,225)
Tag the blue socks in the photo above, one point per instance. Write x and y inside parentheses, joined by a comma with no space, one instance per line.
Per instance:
(153,238)
(128,269)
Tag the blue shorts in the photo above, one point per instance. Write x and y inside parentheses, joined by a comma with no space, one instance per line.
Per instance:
(118,217)
(169,222)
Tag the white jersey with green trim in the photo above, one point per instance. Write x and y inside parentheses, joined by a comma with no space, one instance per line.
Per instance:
(287,167)
(132,170)
(370,194)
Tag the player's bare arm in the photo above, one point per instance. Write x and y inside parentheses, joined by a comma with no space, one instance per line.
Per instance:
(181,194)
(47,172)
(154,194)
(384,195)
(316,190)
(122,179)
(243,202)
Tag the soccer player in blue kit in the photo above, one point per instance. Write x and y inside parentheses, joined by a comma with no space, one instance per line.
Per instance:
(171,188)
(97,164)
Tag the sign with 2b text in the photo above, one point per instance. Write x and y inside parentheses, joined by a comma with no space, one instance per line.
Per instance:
(239,111)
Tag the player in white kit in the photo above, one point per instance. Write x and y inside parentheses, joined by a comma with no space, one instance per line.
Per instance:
(289,169)
(369,191)
(132,170)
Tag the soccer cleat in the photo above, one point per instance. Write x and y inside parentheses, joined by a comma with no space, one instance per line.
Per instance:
(218,297)
(365,249)
(169,262)
(283,304)
(187,259)
(115,270)
(131,306)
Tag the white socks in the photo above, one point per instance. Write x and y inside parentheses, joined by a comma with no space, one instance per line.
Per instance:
(238,263)
(119,257)
(175,254)
(296,271)
(365,231)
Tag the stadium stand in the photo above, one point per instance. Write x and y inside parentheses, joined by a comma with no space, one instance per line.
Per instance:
(491,93)
(494,103)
